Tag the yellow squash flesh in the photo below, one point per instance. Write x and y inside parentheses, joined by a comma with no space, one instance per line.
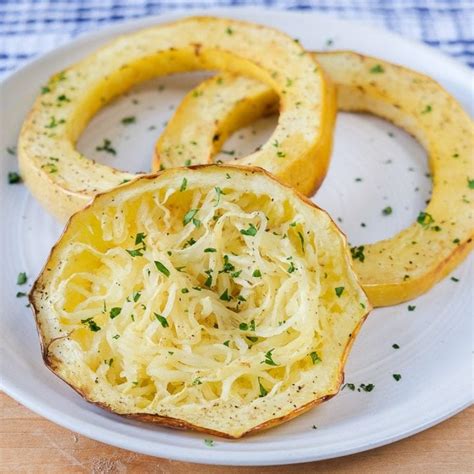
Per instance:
(64,181)
(209,298)
(410,263)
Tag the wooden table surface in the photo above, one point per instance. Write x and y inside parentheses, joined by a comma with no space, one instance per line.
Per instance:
(32,444)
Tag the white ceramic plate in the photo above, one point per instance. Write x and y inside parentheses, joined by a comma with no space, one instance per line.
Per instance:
(434,358)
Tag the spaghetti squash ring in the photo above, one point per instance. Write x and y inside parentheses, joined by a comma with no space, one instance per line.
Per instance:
(64,181)
(209,298)
(411,262)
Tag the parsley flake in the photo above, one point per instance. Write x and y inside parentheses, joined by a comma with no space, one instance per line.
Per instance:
(107,147)
(114,312)
(21,278)
(225,296)
(161,268)
(263,391)
(14,177)
(163,321)
(128,120)
(339,290)
(268,358)
(251,231)
(91,324)
(377,69)
(357,253)
(315,357)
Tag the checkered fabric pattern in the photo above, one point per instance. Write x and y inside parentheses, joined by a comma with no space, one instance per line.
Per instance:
(31,27)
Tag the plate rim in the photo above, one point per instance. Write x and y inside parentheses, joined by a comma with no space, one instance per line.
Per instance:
(462,76)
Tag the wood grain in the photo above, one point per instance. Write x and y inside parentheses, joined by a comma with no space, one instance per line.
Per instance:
(32,444)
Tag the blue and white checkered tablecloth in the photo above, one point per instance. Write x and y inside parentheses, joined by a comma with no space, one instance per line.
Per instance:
(32,27)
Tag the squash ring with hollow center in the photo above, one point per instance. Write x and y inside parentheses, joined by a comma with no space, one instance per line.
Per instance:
(411,262)
(64,181)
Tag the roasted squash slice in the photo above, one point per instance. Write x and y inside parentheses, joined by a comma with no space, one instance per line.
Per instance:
(64,181)
(209,298)
(411,262)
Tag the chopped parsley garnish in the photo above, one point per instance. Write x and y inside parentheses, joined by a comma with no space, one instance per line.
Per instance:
(228,152)
(225,296)
(358,253)
(189,242)
(395,346)
(45,90)
(411,308)
(454,279)
(425,219)
(397,377)
(163,321)
(291,268)
(456,241)
(377,69)
(268,358)
(339,290)
(140,238)
(427,109)
(13,177)
(114,312)
(247,327)
(128,120)
(350,386)
(210,250)
(314,427)
(187,163)
(184,291)
(183,185)
(107,147)
(281,154)
(263,391)
(63,98)
(135,252)
(257,273)
(387,211)
(91,324)
(300,235)
(117,336)
(209,442)
(251,231)
(470,183)
(50,168)
(161,268)
(136,296)
(219,192)
(21,279)
(190,216)
(366,388)
(228,267)
(315,357)
(54,123)
(226,343)
(20,294)
(208,281)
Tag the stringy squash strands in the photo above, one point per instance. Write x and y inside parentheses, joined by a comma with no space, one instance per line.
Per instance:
(411,262)
(64,181)
(200,308)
